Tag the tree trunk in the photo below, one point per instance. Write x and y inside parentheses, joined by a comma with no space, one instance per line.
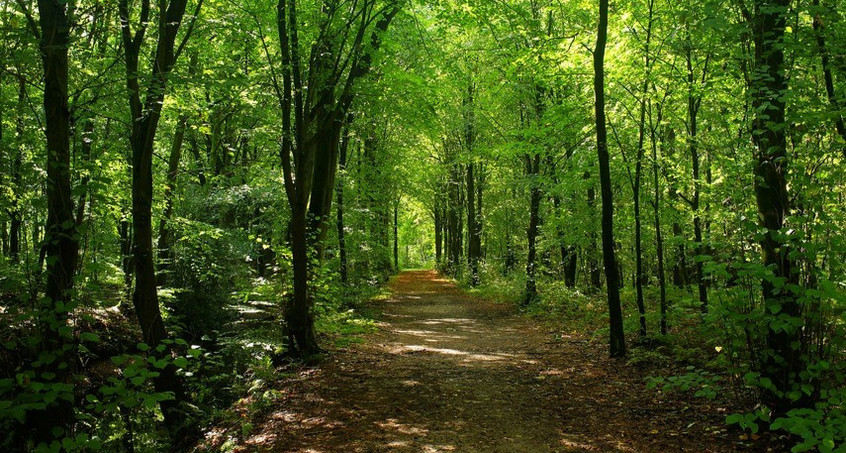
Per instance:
(828,78)
(768,88)
(639,274)
(298,315)
(396,236)
(474,239)
(438,231)
(592,253)
(164,242)
(617,337)
(342,168)
(659,239)
(532,170)
(146,118)
(60,243)
(693,103)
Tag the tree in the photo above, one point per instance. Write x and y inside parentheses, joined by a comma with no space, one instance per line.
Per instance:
(617,337)
(144,123)
(767,89)
(313,111)
(60,241)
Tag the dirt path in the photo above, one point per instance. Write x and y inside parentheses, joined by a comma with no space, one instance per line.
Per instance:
(447,373)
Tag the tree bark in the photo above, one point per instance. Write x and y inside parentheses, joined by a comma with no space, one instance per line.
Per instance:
(60,242)
(617,337)
(639,274)
(693,103)
(828,77)
(342,168)
(532,165)
(592,254)
(164,242)
(146,117)
(659,239)
(768,86)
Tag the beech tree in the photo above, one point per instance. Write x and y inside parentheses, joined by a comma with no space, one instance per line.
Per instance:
(314,98)
(145,116)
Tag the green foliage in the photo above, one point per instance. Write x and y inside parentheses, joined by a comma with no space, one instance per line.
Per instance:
(703,383)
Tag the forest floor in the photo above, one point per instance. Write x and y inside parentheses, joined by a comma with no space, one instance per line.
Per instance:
(448,372)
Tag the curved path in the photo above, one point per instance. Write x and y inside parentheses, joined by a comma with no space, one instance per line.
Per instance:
(450,373)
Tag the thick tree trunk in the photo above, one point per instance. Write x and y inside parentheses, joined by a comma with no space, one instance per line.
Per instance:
(592,253)
(617,337)
(768,88)
(299,316)
(60,243)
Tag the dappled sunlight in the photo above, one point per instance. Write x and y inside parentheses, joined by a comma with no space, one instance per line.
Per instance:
(468,356)
(394,425)
(478,381)
(428,335)
(447,321)
(437,448)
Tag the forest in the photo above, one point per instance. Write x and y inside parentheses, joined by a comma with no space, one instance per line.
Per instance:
(209,208)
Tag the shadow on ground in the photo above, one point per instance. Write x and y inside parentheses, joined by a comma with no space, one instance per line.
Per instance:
(449,373)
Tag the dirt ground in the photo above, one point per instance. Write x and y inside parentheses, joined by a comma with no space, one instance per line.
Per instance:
(449,373)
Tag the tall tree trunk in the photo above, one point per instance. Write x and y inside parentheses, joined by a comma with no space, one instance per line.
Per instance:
(60,243)
(592,253)
(694,100)
(142,139)
(342,168)
(617,337)
(768,88)
(438,231)
(396,236)
(828,78)
(639,275)
(127,263)
(532,164)
(164,242)
(15,216)
(474,240)
(656,206)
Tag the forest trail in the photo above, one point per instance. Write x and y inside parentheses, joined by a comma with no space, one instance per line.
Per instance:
(447,372)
